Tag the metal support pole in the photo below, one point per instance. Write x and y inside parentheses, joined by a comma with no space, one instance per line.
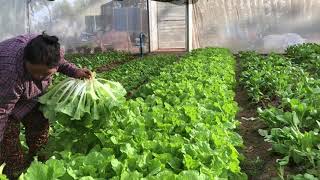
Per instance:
(141,37)
(190,25)
(28,16)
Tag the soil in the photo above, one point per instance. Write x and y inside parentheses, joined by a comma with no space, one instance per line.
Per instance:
(259,163)
(274,101)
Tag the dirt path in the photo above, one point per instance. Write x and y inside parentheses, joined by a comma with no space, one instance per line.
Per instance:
(259,163)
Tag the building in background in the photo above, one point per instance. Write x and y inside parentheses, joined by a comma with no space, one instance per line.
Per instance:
(119,25)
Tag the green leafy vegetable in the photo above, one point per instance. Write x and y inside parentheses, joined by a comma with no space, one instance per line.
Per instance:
(2,176)
(290,103)
(182,127)
(81,100)
(135,73)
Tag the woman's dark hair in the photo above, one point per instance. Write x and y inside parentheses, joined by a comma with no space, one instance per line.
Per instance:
(43,49)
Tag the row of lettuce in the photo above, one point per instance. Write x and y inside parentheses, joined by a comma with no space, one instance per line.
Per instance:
(287,89)
(181,127)
(135,73)
(95,61)
(129,70)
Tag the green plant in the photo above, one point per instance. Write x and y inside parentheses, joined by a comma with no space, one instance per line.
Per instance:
(2,176)
(84,105)
(133,74)
(293,121)
(253,166)
(268,79)
(307,56)
(183,128)
(94,61)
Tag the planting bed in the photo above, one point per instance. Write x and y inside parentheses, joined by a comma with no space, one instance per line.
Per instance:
(181,126)
(203,115)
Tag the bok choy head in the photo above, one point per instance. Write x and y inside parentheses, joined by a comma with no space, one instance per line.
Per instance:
(81,101)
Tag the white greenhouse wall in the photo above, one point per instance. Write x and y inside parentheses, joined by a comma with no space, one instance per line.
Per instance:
(262,25)
(12,18)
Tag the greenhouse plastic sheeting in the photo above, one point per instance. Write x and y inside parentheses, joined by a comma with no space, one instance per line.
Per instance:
(262,25)
(81,25)
(12,18)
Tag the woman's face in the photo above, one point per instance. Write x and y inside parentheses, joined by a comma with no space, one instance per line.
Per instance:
(39,71)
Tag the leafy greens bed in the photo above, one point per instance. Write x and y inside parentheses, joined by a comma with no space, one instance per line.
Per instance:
(94,61)
(290,106)
(133,74)
(307,56)
(183,128)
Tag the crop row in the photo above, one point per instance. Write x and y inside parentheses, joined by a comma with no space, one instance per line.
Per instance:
(135,73)
(94,61)
(290,98)
(182,128)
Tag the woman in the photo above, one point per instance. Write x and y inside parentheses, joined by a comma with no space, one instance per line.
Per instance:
(27,63)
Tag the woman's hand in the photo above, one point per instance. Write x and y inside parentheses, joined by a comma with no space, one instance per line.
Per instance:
(83,74)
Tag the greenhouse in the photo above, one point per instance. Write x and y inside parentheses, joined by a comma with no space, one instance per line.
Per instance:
(159,89)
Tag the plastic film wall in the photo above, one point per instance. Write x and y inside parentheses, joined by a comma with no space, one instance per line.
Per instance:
(12,18)
(92,25)
(262,25)
(82,25)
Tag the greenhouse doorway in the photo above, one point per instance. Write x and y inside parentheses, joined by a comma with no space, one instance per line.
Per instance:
(168,26)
